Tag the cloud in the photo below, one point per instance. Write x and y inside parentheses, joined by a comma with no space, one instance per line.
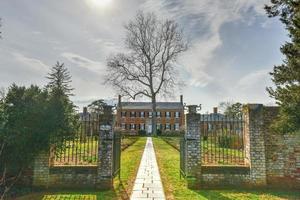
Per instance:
(33,63)
(84,62)
(203,21)
(252,80)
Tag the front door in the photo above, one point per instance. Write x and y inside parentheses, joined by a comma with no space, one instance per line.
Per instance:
(149,129)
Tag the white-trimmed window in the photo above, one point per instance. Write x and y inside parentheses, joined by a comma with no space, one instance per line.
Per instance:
(177,114)
(123,125)
(168,126)
(176,126)
(150,114)
(123,114)
(158,126)
(142,114)
(132,114)
(142,126)
(158,114)
(132,126)
(168,114)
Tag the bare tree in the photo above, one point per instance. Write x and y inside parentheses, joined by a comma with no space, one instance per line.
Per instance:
(147,69)
(0,27)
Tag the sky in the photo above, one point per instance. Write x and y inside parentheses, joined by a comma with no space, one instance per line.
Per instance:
(233,45)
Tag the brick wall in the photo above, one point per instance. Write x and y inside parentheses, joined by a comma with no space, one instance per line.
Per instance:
(99,176)
(282,154)
(48,176)
(271,159)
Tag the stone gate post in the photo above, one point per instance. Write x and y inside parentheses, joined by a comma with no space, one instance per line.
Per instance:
(193,147)
(255,144)
(105,150)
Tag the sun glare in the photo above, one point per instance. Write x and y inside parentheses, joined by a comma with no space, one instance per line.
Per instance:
(101,3)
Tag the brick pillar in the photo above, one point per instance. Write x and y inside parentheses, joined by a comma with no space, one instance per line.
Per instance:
(255,144)
(193,148)
(105,151)
(41,170)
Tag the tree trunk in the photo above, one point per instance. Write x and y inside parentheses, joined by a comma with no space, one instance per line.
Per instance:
(153,115)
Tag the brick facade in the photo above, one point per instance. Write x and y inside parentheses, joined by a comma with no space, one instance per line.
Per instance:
(134,116)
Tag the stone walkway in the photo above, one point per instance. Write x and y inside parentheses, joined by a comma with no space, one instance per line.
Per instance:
(148,183)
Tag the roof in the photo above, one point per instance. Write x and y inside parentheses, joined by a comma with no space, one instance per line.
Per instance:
(219,117)
(148,105)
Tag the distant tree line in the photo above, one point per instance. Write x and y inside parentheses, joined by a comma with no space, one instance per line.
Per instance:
(231,108)
(31,119)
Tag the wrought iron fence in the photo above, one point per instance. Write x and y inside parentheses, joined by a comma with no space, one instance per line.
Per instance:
(81,148)
(182,157)
(116,154)
(222,139)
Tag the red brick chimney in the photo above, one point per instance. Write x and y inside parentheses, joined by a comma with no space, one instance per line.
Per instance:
(215,110)
(181,99)
(119,101)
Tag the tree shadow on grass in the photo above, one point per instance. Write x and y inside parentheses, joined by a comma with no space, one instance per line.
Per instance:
(232,194)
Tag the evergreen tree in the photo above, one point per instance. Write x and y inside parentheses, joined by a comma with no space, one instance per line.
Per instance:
(287,75)
(59,81)
(62,116)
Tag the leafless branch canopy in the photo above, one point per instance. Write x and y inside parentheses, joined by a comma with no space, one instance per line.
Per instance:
(148,68)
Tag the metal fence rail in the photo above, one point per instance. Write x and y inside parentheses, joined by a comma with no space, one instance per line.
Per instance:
(80,148)
(116,154)
(222,139)
(182,157)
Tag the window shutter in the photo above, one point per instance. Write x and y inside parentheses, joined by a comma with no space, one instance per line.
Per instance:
(165,126)
(174,127)
(178,114)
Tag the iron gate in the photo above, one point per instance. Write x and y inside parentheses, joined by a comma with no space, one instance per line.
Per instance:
(116,154)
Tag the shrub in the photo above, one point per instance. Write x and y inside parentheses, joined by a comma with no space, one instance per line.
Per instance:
(226,141)
(158,132)
(142,132)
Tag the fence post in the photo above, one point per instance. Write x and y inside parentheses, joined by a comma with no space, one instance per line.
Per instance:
(255,144)
(193,148)
(105,151)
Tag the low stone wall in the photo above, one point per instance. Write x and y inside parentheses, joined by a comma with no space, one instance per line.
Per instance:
(63,176)
(225,176)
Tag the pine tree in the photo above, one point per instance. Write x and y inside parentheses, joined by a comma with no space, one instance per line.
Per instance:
(287,75)
(62,116)
(60,80)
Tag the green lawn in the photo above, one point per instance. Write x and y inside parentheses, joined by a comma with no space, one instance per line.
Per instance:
(212,153)
(176,188)
(84,152)
(130,159)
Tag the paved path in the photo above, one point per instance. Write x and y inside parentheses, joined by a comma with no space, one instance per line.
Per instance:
(148,183)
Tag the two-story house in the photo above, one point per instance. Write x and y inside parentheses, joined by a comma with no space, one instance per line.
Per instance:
(135,116)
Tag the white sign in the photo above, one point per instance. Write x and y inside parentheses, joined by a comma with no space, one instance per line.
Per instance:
(105,127)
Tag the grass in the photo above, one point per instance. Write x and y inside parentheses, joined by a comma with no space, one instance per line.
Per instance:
(212,153)
(130,159)
(84,151)
(176,188)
